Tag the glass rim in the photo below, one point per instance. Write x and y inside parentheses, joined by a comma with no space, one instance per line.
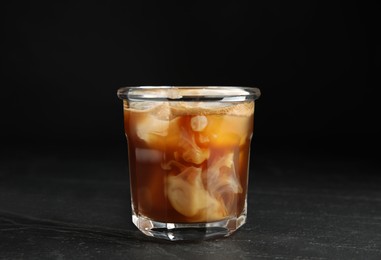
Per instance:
(188,93)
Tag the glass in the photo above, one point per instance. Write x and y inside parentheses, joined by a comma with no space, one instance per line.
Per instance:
(189,153)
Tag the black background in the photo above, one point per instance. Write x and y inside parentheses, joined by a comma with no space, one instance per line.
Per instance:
(64,189)
(314,62)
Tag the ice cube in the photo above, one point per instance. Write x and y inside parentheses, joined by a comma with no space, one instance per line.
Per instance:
(152,130)
(160,110)
(142,105)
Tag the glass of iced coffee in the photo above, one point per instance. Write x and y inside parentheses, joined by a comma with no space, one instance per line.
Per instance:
(189,153)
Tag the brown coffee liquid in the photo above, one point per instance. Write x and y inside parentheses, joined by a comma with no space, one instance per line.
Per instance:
(188,161)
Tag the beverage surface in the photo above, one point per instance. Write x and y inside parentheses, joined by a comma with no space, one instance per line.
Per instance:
(188,160)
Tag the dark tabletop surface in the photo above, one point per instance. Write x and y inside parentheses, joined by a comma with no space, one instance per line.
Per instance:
(75,205)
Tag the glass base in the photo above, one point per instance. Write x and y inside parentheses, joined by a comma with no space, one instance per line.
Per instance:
(188,231)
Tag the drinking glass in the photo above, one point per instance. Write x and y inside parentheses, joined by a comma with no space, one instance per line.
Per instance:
(189,153)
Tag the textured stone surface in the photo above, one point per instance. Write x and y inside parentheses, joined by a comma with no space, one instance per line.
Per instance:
(75,207)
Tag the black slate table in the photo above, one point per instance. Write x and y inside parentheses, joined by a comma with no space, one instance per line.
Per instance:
(75,205)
